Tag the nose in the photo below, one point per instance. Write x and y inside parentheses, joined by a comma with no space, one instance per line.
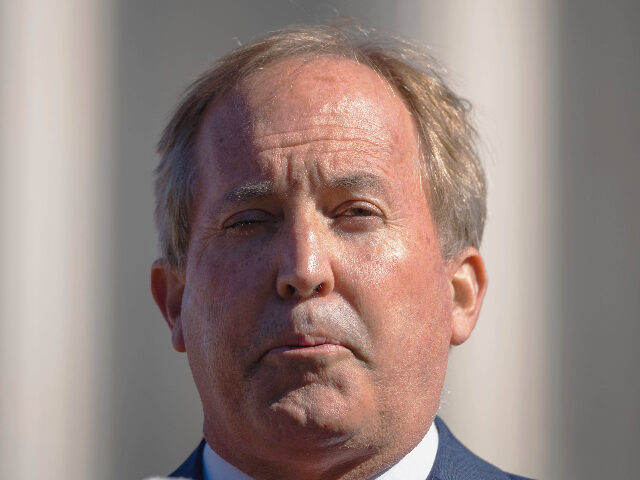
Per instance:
(304,269)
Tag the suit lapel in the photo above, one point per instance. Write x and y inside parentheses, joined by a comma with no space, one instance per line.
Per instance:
(455,462)
(192,466)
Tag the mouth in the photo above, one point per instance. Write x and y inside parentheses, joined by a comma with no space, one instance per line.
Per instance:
(307,345)
(312,333)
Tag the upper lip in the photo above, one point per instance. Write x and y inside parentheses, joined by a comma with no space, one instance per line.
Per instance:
(301,340)
(311,324)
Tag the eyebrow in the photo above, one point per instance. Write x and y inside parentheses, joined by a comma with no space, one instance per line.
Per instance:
(358,181)
(249,191)
(266,189)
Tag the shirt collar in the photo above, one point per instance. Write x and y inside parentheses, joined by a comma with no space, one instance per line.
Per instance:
(415,465)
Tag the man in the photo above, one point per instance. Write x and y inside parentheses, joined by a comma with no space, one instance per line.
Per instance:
(320,208)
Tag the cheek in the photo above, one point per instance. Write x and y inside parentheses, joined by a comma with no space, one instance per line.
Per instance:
(401,290)
(222,295)
(229,277)
(214,335)
(399,269)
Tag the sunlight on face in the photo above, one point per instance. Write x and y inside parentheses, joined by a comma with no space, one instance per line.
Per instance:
(316,305)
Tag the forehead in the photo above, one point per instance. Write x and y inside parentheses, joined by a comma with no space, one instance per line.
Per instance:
(306,100)
(329,88)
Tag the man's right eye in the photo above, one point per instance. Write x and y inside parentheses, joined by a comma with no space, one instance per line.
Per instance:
(247,219)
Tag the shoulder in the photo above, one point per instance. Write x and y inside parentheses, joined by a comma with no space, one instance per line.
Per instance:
(454,461)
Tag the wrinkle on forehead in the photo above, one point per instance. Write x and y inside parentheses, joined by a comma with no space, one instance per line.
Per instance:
(326,91)
(334,102)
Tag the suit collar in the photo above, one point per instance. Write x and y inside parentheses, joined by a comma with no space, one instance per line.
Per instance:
(192,466)
(454,461)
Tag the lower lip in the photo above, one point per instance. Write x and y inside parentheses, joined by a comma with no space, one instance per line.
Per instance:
(321,349)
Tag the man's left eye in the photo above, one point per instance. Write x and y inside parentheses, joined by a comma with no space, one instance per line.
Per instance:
(359,216)
(358,209)
(359,212)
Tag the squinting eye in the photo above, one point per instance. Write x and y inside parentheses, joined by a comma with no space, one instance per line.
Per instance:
(242,223)
(247,219)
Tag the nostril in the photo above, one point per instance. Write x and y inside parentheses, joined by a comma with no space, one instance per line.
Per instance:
(293,292)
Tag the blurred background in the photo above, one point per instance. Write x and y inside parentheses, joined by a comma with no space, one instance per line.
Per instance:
(547,386)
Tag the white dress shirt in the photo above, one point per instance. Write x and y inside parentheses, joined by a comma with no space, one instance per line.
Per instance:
(415,465)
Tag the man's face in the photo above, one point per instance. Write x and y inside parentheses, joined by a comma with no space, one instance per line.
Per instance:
(316,309)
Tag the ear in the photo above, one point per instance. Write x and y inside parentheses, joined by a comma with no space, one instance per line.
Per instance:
(468,285)
(167,285)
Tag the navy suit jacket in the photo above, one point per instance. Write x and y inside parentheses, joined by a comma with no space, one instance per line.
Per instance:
(453,462)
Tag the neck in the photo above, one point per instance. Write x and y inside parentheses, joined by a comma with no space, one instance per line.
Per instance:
(343,461)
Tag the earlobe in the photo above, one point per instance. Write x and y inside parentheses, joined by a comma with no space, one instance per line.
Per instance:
(468,286)
(167,286)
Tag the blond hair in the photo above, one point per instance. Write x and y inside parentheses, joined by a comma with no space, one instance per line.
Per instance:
(455,177)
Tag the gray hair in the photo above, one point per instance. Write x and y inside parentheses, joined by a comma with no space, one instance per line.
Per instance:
(455,177)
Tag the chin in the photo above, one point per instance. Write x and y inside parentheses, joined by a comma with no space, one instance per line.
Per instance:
(316,416)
